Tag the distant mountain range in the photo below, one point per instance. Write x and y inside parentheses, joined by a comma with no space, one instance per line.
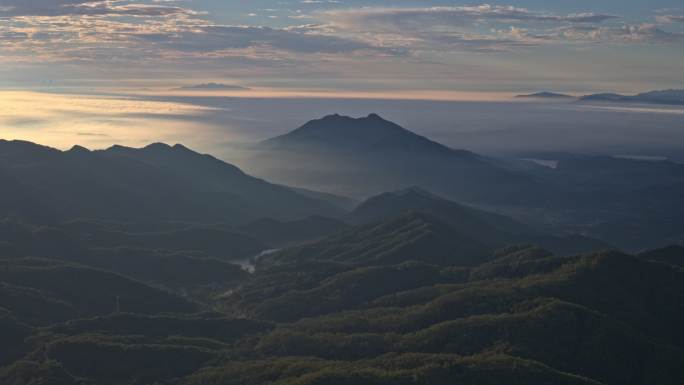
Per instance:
(158,182)
(370,155)
(625,202)
(674,97)
(671,97)
(214,87)
(546,95)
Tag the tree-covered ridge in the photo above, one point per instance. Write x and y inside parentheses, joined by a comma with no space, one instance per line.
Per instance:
(409,288)
(154,183)
(606,316)
(43,291)
(520,315)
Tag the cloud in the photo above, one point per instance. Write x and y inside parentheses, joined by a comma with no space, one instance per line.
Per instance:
(86,30)
(66,119)
(481,28)
(160,37)
(399,18)
(211,38)
(485,27)
(85,7)
(643,33)
(112,32)
(670,18)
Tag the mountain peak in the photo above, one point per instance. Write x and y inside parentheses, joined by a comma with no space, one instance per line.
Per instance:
(117,147)
(337,117)
(339,132)
(547,95)
(180,147)
(76,149)
(157,146)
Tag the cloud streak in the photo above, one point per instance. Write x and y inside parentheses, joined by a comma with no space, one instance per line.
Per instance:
(670,18)
(394,18)
(79,7)
(178,37)
(116,31)
(487,28)
(625,34)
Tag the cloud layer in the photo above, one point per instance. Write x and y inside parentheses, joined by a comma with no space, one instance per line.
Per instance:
(487,26)
(327,39)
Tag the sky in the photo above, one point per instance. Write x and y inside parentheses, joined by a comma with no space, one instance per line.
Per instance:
(136,71)
(345,45)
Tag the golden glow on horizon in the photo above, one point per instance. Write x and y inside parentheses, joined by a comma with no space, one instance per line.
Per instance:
(62,120)
(137,117)
(131,116)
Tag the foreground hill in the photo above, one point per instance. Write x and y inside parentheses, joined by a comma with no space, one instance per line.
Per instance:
(413,235)
(41,291)
(417,247)
(171,260)
(417,289)
(487,227)
(491,229)
(606,318)
(406,301)
(370,155)
(156,183)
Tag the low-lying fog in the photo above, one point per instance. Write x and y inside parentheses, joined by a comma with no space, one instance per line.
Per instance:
(220,125)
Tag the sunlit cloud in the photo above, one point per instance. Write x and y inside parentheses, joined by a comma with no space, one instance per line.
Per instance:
(487,27)
(393,18)
(670,18)
(624,33)
(106,32)
(86,7)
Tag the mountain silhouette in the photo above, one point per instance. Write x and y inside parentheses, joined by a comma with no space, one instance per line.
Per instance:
(214,86)
(370,155)
(489,228)
(157,182)
(546,95)
(673,97)
(371,132)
